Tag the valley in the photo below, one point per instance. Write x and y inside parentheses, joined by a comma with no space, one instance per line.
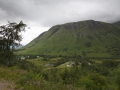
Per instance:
(61,73)
(82,55)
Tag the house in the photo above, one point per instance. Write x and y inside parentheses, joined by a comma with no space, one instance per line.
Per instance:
(69,64)
(22,58)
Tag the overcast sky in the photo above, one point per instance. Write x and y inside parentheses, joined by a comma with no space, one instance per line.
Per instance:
(40,15)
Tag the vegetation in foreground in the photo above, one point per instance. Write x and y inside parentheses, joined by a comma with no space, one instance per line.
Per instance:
(87,74)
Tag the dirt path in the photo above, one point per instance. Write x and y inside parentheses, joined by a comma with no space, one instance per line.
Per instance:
(5,85)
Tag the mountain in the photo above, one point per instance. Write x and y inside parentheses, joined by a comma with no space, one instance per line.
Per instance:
(75,38)
(117,24)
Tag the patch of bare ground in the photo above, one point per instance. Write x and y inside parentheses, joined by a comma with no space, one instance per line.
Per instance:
(6,85)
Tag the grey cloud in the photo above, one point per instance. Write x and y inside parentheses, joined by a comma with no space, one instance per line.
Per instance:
(46,13)
(52,12)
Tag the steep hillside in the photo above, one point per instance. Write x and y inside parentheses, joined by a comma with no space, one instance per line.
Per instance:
(91,37)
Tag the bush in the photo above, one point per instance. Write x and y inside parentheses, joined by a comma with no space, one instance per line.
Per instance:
(88,44)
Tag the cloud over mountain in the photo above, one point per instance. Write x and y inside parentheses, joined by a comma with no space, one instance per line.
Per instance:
(51,12)
(46,13)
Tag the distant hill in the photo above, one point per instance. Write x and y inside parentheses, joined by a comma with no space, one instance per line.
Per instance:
(75,38)
(117,24)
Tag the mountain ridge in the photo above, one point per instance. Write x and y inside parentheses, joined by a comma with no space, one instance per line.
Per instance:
(73,38)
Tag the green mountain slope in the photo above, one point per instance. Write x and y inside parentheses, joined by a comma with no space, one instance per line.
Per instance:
(117,24)
(91,37)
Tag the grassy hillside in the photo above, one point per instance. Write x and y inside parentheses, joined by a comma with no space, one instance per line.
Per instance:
(117,24)
(91,37)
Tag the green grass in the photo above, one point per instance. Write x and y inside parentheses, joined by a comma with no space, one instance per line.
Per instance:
(41,63)
(97,61)
(64,65)
(12,74)
(30,79)
(69,39)
(33,75)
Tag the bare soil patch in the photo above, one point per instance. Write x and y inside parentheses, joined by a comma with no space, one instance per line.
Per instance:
(6,85)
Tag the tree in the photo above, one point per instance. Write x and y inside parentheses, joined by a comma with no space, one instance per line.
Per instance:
(83,55)
(10,37)
(88,44)
(114,50)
